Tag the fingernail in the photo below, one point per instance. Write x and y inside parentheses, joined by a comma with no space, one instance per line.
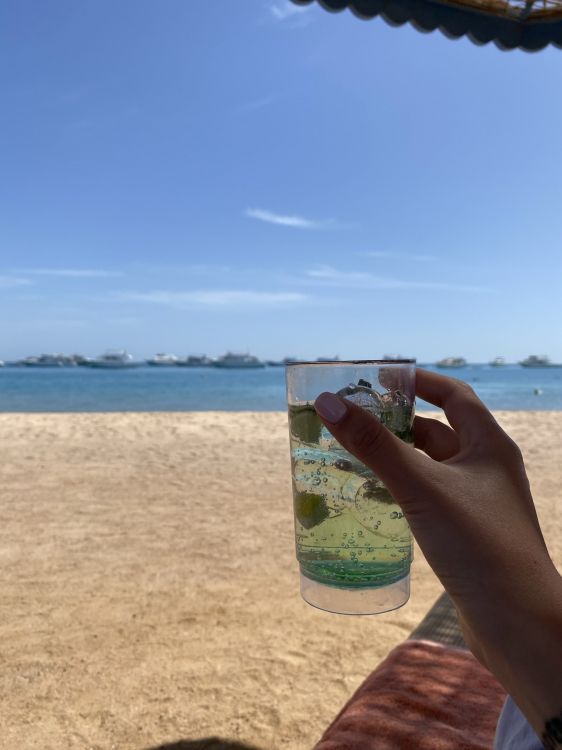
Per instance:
(330,407)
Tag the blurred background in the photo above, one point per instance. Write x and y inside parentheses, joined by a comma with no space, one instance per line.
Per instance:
(193,178)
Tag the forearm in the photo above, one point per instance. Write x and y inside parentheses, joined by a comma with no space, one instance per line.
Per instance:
(522,646)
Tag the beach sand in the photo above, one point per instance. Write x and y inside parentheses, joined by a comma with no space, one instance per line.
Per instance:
(150,588)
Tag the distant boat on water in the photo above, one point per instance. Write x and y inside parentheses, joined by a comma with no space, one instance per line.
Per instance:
(114,360)
(195,361)
(534,360)
(163,360)
(281,362)
(230,360)
(291,360)
(498,362)
(396,358)
(44,360)
(450,363)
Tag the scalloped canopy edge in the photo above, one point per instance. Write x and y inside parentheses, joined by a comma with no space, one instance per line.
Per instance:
(454,21)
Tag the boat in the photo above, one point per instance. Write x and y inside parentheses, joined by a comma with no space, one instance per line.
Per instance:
(328,359)
(2,363)
(498,362)
(44,360)
(534,360)
(194,360)
(114,360)
(274,363)
(451,363)
(230,360)
(163,360)
(81,361)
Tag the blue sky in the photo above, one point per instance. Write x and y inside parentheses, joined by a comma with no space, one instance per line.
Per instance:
(202,176)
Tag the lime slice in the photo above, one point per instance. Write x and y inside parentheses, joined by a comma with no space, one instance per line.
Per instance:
(304,423)
(310,509)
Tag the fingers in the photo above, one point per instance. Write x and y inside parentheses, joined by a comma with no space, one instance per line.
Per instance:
(436,439)
(468,416)
(397,378)
(399,466)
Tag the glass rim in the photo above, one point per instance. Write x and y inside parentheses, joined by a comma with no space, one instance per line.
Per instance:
(350,362)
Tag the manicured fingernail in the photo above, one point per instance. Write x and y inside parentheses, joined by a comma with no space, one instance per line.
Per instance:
(330,407)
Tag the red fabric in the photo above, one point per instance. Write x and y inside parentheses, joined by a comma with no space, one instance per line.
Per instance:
(424,696)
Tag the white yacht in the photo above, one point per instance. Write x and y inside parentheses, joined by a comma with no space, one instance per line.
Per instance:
(230,360)
(194,360)
(451,363)
(498,362)
(534,360)
(44,360)
(113,360)
(163,360)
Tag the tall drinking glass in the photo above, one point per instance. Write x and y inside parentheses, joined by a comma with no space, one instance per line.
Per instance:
(353,543)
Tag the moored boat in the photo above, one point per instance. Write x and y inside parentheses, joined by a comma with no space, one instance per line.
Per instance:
(163,360)
(231,360)
(535,360)
(194,360)
(114,360)
(451,363)
(43,360)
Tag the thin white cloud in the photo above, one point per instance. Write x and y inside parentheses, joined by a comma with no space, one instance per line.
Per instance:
(257,104)
(329,276)
(10,282)
(398,256)
(221,299)
(73,273)
(282,11)
(296,222)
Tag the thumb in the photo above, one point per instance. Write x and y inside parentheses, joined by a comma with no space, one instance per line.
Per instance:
(401,468)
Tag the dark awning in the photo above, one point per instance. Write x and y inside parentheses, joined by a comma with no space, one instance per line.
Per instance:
(527,24)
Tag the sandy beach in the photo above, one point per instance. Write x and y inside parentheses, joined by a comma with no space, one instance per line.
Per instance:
(150,588)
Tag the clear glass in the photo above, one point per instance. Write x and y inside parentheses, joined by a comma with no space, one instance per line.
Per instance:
(354,545)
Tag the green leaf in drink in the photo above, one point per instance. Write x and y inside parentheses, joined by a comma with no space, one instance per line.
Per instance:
(310,509)
(305,424)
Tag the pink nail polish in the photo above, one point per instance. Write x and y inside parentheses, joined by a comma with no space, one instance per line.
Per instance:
(330,407)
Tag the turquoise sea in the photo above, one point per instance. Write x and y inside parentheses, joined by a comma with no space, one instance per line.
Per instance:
(81,389)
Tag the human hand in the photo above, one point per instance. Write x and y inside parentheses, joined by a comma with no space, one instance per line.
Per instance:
(468,503)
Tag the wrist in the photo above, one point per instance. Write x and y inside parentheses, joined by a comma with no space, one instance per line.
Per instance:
(521,644)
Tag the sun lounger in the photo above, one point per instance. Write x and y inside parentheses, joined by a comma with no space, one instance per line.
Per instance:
(430,693)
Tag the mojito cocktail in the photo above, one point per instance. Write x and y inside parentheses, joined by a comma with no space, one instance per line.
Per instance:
(353,543)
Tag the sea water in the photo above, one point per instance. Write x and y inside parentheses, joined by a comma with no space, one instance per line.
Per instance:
(81,389)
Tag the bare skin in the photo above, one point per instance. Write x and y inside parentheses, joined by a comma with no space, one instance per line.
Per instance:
(468,503)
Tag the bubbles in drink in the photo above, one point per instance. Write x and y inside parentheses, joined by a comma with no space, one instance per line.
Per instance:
(343,512)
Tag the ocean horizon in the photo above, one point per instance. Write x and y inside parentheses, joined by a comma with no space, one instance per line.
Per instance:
(155,389)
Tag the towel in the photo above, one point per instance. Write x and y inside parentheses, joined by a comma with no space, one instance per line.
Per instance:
(424,696)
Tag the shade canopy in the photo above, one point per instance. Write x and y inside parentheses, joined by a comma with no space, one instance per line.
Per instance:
(528,24)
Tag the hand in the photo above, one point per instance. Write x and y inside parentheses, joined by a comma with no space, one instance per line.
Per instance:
(468,503)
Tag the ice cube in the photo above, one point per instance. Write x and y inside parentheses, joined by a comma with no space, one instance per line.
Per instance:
(376,511)
(327,441)
(397,413)
(336,476)
(364,396)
